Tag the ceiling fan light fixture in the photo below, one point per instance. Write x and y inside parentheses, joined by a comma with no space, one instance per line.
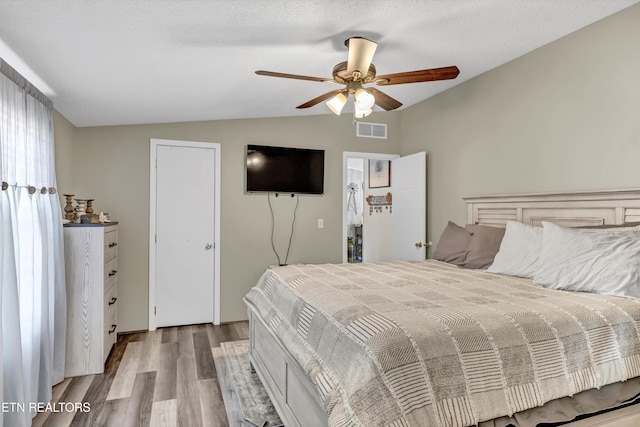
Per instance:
(364,99)
(337,103)
(361,113)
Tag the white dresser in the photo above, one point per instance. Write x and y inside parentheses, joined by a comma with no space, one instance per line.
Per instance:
(91,268)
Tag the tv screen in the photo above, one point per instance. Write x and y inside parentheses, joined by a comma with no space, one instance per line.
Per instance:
(284,170)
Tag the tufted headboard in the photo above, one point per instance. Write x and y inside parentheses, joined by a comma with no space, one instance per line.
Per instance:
(572,209)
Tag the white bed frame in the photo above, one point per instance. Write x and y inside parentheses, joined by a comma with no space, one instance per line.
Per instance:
(293,394)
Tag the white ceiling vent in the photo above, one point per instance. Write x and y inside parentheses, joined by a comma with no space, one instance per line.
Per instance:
(371,130)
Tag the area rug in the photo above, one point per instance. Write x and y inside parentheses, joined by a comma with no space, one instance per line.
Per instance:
(254,400)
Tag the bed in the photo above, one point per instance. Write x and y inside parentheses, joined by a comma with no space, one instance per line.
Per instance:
(430,343)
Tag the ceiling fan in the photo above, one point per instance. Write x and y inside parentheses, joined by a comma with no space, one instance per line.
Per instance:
(357,71)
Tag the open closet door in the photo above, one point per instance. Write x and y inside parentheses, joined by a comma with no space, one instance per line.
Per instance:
(409,183)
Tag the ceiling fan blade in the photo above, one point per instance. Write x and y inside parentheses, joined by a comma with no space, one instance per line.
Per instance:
(383,100)
(361,52)
(433,74)
(320,98)
(294,76)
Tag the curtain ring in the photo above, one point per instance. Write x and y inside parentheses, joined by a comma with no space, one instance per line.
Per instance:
(4,185)
(32,189)
(43,190)
(52,190)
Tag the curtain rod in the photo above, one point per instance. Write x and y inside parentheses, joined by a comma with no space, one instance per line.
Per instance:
(23,83)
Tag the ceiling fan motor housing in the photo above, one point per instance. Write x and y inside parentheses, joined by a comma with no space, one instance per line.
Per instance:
(342,75)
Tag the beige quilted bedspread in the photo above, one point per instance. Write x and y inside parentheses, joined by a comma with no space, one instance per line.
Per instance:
(429,344)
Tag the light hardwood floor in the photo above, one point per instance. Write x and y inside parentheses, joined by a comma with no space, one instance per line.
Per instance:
(163,378)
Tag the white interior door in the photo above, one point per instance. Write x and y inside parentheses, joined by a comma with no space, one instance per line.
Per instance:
(185,239)
(409,183)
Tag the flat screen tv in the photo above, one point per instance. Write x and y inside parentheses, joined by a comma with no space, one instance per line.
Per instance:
(284,170)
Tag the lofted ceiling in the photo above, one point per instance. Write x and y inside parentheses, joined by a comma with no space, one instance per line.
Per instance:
(111,62)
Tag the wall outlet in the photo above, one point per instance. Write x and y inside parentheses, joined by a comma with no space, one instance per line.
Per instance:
(320,223)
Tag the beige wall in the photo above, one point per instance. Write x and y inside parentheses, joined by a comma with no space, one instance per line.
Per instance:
(63,134)
(111,164)
(563,117)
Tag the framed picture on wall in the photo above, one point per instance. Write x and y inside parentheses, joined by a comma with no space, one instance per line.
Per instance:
(379,173)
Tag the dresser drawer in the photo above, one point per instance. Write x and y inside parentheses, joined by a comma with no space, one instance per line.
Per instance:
(109,341)
(110,303)
(110,243)
(110,274)
(110,322)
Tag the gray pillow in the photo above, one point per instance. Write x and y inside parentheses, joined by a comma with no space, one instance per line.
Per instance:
(484,245)
(453,244)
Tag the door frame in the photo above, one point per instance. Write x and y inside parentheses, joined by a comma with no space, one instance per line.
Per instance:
(346,155)
(153,148)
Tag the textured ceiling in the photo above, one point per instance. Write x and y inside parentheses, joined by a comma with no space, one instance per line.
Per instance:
(110,62)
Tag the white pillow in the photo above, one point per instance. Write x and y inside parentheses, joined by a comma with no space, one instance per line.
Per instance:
(580,260)
(621,231)
(519,250)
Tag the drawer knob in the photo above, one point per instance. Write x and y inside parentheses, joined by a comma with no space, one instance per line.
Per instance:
(113,273)
(113,300)
(113,328)
(111,245)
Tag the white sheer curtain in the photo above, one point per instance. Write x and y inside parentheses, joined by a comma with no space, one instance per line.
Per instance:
(32,297)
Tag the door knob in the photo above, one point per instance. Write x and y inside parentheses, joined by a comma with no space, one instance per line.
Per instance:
(208,246)
(419,245)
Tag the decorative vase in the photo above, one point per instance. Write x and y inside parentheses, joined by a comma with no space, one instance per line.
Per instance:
(90,206)
(81,209)
(68,208)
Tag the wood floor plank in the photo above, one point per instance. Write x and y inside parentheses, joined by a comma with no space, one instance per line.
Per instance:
(150,350)
(58,390)
(164,413)
(138,336)
(169,335)
(185,340)
(241,330)
(75,392)
(166,377)
(214,339)
(189,412)
(113,414)
(138,413)
(224,332)
(199,328)
(123,382)
(204,359)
